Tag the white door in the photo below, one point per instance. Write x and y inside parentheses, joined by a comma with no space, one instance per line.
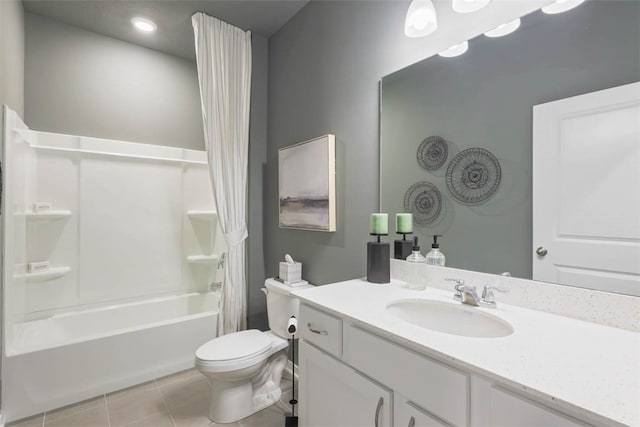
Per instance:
(334,395)
(586,190)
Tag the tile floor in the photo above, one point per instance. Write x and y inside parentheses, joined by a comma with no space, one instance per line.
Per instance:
(178,400)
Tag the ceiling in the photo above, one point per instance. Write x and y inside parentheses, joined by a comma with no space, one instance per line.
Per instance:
(173,17)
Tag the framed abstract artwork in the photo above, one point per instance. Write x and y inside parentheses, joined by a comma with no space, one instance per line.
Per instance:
(307,185)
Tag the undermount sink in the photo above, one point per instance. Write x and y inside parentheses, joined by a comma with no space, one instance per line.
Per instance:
(455,319)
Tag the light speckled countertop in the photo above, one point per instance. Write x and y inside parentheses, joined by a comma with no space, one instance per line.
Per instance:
(586,368)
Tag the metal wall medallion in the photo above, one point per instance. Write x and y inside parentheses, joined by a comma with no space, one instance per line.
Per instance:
(473,176)
(424,201)
(433,153)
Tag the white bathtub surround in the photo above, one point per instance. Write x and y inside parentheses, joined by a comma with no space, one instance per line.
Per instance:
(575,367)
(120,291)
(118,230)
(223,56)
(620,311)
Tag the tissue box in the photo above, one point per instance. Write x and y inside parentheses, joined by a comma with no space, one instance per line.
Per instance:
(290,273)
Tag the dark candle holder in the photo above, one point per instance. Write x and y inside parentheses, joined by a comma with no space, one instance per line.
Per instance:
(378,264)
(402,248)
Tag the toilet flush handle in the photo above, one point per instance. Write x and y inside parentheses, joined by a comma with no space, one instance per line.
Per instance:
(264,290)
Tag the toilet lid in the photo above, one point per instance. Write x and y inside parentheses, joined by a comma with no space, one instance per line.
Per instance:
(238,345)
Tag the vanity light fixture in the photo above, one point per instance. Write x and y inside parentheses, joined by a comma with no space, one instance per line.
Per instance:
(455,50)
(421,19)
(561,6)
(468,6)
(504,29)
(143,24)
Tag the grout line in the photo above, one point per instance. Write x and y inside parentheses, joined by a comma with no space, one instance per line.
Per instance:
(44,416)
(106,407)
(165,402)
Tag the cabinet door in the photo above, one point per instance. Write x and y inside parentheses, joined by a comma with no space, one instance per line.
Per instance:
(334,395)
(509,410)
(407,414)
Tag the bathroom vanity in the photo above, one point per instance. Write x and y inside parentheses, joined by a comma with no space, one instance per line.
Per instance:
(361,364)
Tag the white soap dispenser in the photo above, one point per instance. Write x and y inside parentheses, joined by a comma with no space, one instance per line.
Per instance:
(435,257)
(416,278)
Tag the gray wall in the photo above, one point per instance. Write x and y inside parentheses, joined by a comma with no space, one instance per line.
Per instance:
(324,68)
(257,161)
(83,83)
(484,99)
(12,55)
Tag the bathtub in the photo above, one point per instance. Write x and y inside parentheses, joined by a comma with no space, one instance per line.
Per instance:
(74,356)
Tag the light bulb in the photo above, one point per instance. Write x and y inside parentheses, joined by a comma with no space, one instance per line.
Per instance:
(504,29)
(455,50)
(421,19)
(468,6)
(561,6)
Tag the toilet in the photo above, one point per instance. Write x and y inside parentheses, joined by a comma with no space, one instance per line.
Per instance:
(245,367)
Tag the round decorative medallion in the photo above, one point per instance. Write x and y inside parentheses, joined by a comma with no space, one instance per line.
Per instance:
(473,176)
(432,153)
(424,201)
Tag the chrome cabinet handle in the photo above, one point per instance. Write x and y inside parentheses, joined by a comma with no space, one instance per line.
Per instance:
(378,409)
(316,331)
(412,422)
(542,251)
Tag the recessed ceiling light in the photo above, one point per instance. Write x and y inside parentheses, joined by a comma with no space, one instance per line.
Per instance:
(455,50)
(468,6)
(143,24)
(561,6)
(504,29)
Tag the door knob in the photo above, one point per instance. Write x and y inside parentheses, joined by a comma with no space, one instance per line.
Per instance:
(541,251)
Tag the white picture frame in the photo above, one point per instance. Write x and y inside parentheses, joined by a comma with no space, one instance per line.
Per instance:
(307,185)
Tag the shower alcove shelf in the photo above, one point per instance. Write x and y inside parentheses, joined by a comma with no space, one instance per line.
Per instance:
(202,215)
(51,273)
(51,215)
(41,276)
(210,217)
(202,259)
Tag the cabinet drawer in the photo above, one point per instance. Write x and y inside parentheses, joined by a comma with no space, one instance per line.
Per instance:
(438,388)
(511,410)
(321,329)
(406,414)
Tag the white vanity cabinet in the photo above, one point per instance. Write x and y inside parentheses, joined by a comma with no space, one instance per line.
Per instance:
(352,376)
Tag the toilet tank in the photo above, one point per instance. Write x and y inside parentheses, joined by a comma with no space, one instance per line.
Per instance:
(281,305)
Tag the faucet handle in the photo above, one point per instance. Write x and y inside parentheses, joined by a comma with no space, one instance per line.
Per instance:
(459,283)
(458,287)
(487,293)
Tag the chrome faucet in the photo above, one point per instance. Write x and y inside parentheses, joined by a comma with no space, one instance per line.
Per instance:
(467,294)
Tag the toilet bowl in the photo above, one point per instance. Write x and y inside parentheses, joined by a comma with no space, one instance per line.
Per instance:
(245,367)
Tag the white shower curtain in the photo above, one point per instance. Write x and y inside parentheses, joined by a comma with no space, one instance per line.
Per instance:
(223,56)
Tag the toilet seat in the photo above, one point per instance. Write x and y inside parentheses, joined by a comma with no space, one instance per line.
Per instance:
(234,351)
